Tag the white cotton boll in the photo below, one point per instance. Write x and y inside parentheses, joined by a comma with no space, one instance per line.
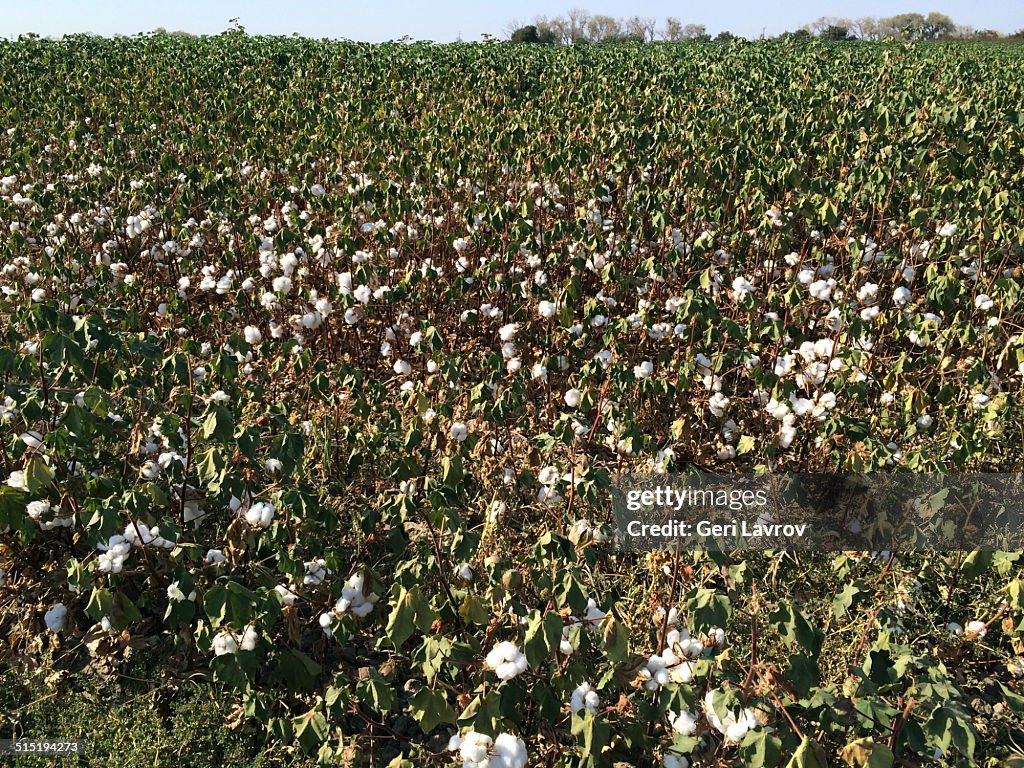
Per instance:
(55,618)
(976,629)
(287,596)
(573,398)
(353,315)
(282,284)
(547,309)
(317,190)
(316,572)
(508,752)
(594,615)
(260,514)
(252,334)
(362,294)
(801,405)
(901,296)
(718,404)
(506,660)
(464,572)
(539,371)
(983,302)
(643,370)
(508,332)
(584,697)
(214,557)
(458,431)
(224,643)
(954,628)
(175,594)
(274,466)
(821,289)
(249,638)
(37,509)
(924,421)
(947,229)
(684,723)
(867,293)
(979,401)
(675,761)
(741,288)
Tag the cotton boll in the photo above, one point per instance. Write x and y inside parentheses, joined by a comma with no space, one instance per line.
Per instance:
(643,370)
(458,431)
(684,723)
(976,629)
(584,697)
(274,466)
(573,398)
(508,752)
(55,618)
(506,660)
(252,334)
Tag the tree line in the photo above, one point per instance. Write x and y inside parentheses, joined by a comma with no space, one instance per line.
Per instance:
(580,26)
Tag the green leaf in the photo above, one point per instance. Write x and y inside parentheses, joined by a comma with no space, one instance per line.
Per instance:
(310,730)
(760,748)
(708,609)
(218,424)
(543,635)
(844,600)
(376,692)
(808,755)
(795,627)
(592,734)
(430,708)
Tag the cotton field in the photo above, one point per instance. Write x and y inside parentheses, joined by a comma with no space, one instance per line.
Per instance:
(319,360)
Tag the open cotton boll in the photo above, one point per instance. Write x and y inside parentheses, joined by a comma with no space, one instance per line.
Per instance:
(458,431)
(584,697)
(224,643)
(734,725)
(354,599)
(260,514)
(683,723)
(55,618)
(675,761)
(508,752)
(976,629)
(506,660)
(573,397)
(316,572)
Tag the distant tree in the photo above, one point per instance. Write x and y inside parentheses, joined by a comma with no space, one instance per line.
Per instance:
(696,32)
(937,26)
(643,28)
(602,28)
(866,28)
(673,29)
(576,20)
(527,34)
(725,36)
(903,26)
(986,35)
(835,32)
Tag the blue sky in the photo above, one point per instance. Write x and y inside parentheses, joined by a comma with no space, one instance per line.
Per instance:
(387,19)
